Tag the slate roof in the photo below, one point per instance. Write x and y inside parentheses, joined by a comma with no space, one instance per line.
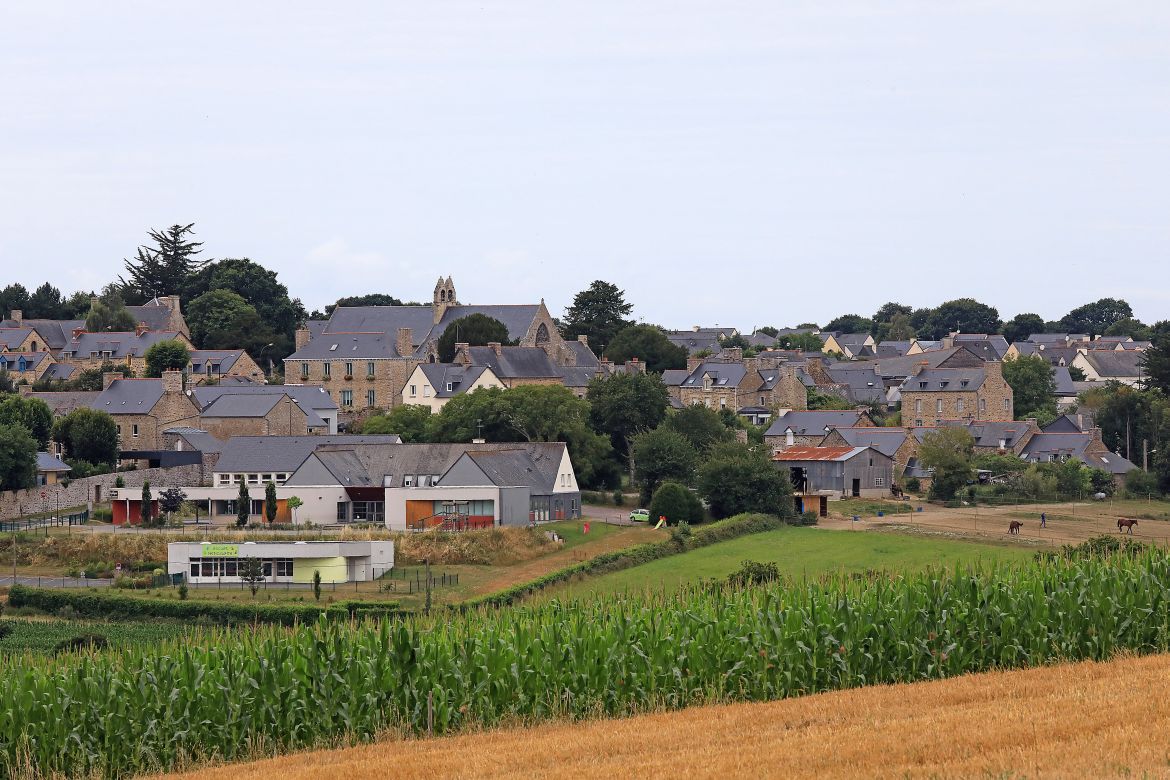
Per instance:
(226,358)
(10,360)
(129,396)
(991,347)
(233,405)
(11,338)
(59,371)
(814,422)
(580,376)
(1110,364)
(198,438)
(56,333)
(348,346)
(508,468)
(308,397)
(1044,446)
(1070,423)
(804,454)
(47,462)
(721,374)
(119,344)
(674,377)
(153,313)
(934,380)
(860,384)
(901,367)
(584,354)
(1057,338)
(515,362)
(884,440)
(893,348)
(62,403)
(243,454)
(460,377)
(1064,382)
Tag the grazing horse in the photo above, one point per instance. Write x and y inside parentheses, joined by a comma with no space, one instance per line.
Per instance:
(1127,523)
(1014,527)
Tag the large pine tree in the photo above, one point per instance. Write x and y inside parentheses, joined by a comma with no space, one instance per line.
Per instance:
(166,267)
(598,312)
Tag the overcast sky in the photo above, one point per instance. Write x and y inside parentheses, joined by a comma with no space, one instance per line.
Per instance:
(725,163)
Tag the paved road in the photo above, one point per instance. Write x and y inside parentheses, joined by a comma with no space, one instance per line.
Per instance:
(56,582)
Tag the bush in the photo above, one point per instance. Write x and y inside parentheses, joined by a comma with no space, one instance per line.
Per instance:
(1139,484)
(84,643)
(619,498)
(183,592)
(914,485)
(119,607)
(753,573)
(5,629)
(807,518)
(676,504)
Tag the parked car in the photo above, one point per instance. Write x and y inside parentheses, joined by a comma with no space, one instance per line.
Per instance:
(641,515)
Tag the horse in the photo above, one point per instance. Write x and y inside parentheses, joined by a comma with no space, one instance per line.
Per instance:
(1014,527)
(1127,523)
(897,492)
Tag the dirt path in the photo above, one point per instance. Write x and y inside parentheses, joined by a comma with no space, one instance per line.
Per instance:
(1066,523)
(530,570)
(1077,720)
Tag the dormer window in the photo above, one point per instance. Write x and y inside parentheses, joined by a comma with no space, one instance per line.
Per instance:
(922,385)
(450,386)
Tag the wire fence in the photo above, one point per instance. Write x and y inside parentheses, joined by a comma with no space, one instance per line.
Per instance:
(37,523)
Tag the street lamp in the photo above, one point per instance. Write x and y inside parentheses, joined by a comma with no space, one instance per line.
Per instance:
(268,373)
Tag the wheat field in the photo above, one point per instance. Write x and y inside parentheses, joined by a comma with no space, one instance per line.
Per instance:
(1075,720)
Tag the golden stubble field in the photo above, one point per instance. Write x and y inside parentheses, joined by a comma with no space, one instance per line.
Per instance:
(1076,720)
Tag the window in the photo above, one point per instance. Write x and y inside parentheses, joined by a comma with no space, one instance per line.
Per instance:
(369,398)
(304,370)
(426,391)
(347,397)
(938,406)
(413,391)
(284,568)
(918,406)
(370,368)
(349,369)
(326,368)
(223,479)
(982,404)
(342,510)
(195,567)
(407,480)
(450,386)
(879,481)
(918,423)
(959,405)
(1007,405)
(722,403)
(257,506)
(136,431)
(266,478)
(281,477)
(253,479)
(231,567)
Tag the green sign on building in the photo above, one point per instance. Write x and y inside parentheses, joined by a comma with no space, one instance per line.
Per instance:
(221,551)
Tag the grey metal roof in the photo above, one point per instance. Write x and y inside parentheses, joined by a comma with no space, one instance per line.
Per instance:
(813,422)
(244,454)
(509,468)
(129,396)
(944,380)
(119,345)
(47,462)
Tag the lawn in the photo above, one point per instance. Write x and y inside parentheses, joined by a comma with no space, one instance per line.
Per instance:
(798,552)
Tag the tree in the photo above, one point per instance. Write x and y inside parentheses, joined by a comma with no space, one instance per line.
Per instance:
(14,297)
(599,312)
(809,342)
(221,319)
(768,330)
(849,323)
(260,289)
(109,313)
(294,503)
(897,329)
(650,345)
(166,267)
(92,379)
(543,412)
(819,401)
(1033,387)
(949,452)
(884,319)
(31,413)
(88,435)
(964,315)
(18,458)
(475,330)
(270,502)
(1156,364)
(736,480)
(1096,317)
(147,512)
(169,355)
(243,505)
(317,584)
(1132,327)
(45,303)
(251,571)
(410,421)
(623,405)
(171,500)
(701,426)
(1021,326)
(661,455)
(370,299)
(677,504)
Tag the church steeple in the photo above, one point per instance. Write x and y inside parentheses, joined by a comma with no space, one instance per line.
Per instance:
(444,298)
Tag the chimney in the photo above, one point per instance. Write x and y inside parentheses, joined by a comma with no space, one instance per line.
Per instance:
(693,363)
(733,354)
(16,316)
(172,303)
(303,337)
(77,333)
(789,438)
(463,353)
(172,381)
(583,339)
(93,301)
(993,368)
(496,347)
(920,367)
(110,377)
(751,364)
(141,328)
(405,343)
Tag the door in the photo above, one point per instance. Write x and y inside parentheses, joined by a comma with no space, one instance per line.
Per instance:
(856,488)
(417,513)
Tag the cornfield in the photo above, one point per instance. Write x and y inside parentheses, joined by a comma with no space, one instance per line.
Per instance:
(271,690)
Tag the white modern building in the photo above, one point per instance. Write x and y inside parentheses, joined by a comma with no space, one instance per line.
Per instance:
(337,561)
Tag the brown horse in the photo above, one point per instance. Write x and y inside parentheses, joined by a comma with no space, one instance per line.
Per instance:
(1127,523)
(1014,527)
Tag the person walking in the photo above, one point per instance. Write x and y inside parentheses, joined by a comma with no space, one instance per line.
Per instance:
(1043,520)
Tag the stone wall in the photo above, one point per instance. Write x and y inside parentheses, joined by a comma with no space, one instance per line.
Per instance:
(80,492)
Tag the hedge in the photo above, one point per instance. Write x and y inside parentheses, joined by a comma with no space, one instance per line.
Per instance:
(680,542)
(118,607)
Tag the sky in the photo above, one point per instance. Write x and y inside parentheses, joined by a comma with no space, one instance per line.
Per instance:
(725,163)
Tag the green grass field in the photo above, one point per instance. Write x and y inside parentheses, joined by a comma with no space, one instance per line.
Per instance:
(41,636)
(798,552)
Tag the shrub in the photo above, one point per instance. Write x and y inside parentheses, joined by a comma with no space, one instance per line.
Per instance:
(183,592)
(619,498)
(806,518)
(5,629)
(1139,484)
(753,573)
(85,642)
(676,504)
(914,485)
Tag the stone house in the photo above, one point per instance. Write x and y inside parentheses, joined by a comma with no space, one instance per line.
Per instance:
(92,350)
(935,394)
(849,345)
(1086,447)
(21,340)
(363,356)
(701,339)
(160,314)
(144,408)
(25,367)
(213,365)
(255,415)
(1104,365)
(734,382)
(231,401)
(803,428)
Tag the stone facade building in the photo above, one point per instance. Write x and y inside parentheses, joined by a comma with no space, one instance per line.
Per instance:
(933,395)
(734,382)
(144,408)
(363,356)
(92,350)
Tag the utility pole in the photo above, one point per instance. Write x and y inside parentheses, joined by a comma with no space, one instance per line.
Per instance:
(427,564)
(1145,454)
